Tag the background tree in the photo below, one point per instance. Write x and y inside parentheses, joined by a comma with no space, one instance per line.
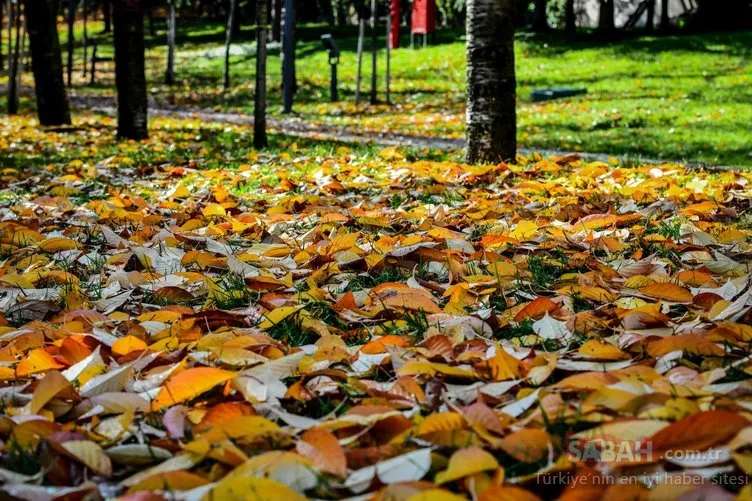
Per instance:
(107,15)
(170,70)
(570,17)
(275,34)
(71,39)
(540,16)
(491,94)
(606,16)
(259,93)
(228,41)
(47,62)
(14,71)
(130,76)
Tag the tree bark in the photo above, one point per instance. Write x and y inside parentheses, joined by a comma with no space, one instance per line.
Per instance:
(15,59)
(540,22)
(606,16)
(275,35)
(374,66)
(228,41)
(665,21)
(259,94)
(71,39)
(47,62)
(570,17)
(2,23)
(130,77)
(491,93)
(107,15)
(170,70)
(327,9)
(650,16)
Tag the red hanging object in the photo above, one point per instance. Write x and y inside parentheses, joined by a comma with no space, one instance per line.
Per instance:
(394,31)
(424,17)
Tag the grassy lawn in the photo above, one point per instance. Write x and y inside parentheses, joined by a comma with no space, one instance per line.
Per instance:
(679,98)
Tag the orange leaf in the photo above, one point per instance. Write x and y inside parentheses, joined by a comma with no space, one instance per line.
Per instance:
(698,432)
(536,309)
(323,448)
(667,291)
(379,345)
(188,384)
(37,361)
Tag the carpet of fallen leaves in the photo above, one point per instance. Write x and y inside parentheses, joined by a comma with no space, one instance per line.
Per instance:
(373,328)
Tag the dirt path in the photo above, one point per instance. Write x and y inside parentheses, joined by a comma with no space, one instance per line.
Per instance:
(297,127)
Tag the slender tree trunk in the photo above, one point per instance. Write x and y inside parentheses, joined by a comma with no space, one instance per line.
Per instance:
(71,39)
(15,60)
(540,21)
(341,10)
(570,17)
(374,76)
(491,93)
(289,85)
(130,77)
(228,41)
(650,16)
(275,35)
(86,36)
(606,16)
(327,9)
(361,37)
(665,21)
(107,15)
(259,94)
(2,23)
(47,62)
(150,17)
(170,71)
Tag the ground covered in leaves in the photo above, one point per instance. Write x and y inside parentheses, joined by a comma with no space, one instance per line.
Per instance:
(340,325)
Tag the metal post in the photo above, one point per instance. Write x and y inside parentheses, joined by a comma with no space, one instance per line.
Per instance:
(288,56)
(333,94)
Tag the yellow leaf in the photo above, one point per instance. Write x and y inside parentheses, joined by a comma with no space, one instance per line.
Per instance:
(467,462)
(52,384)
(188,384)
(90,454)
(277,315)
(57,244)
(251,489)
(127,344)
(667,291)
(214,210)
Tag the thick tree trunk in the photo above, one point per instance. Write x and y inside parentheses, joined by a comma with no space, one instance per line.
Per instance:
(259,94)
(170,70)
(570,17)
(606,16)
(491,93)
(15,58)
(540,21)
(228,41)
(107,15)
(665,21)
(130,77)
(650,16)
(47,62)
(275,34)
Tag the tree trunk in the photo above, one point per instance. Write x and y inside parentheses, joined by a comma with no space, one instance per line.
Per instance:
(71,39)
(327,10)
(2,23)
(491,93)
(86,36)
(150,17)
(228,41)
(374,76)
(540,21)
(170,70)
(130,77)
(341,12)
(665,21)
(650,16)
(606,16)
(275,35)
(15,59)
(289,85)
(259,94)
(570,17)
(47,62)
(107,15)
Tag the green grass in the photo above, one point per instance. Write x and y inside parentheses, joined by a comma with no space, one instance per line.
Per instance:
(684,97)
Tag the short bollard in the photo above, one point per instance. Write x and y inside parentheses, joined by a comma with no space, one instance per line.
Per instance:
(331,47)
